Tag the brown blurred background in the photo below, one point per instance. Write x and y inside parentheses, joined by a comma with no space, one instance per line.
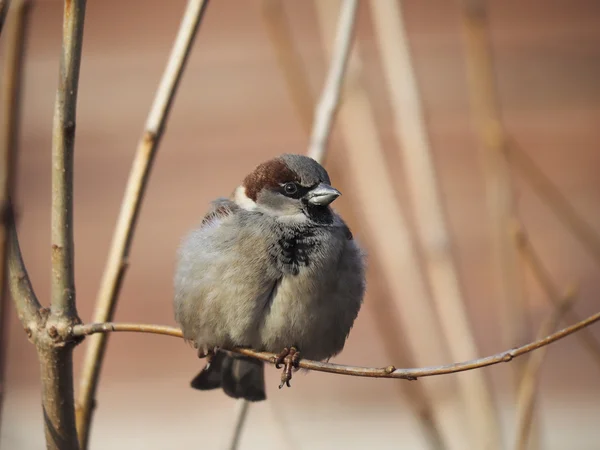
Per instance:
(232,112)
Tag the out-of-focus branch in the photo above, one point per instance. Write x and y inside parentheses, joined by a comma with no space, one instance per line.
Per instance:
(10,120)
(365,162)
(63,146)
(430,217)
(289,60)
(4,5)
(330,97)
(533,260)
(26,303)
(366,166)
(298,87)
(531,374)
(499,192)
(546,189)
(241,414)
(370,372)
(119,251)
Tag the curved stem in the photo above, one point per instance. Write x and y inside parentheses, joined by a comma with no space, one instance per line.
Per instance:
(372,372)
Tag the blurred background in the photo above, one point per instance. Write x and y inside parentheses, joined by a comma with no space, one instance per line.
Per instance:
(233,111)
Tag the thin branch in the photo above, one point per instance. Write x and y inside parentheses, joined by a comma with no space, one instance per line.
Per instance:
(63,142)
(500,196)
(534,261)
(119,252)
(530,382)
(289,60)
(546,189)
(26,303)
(241,414)
(330,97)
(12,77)
(370,372)
(430,217)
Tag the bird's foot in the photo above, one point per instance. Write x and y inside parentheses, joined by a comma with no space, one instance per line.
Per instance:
(289,358)
(206,353)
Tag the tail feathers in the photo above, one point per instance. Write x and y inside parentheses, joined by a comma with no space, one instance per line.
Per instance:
(238,376)
(210,376)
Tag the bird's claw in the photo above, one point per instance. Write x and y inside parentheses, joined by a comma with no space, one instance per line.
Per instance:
(289,358)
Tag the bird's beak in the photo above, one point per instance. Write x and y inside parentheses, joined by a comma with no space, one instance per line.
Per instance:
(323,195)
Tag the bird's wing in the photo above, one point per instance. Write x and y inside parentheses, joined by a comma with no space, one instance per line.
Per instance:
(219,209)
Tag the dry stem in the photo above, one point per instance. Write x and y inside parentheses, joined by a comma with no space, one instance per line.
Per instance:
(63,141)
(10,121)
(330,98)
(366,162)
(430,217)
(499,193)
(532,371)
(370,372)
(117,260)
(533,260)
(324,111)
(241,413)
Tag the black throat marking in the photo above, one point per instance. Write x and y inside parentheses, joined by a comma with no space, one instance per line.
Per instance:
(295,247)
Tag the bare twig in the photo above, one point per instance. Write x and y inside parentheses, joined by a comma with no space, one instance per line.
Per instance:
(546,189)
(63,141)
(117,260)
(289,60)
(330,97)
(499,192)
(530,381)
(533,260)
(370,372)
(431,222)
(11,113)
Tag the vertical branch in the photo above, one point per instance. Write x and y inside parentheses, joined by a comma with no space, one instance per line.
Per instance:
(330,97)
(500,197)
(54,344)
(430,217)
(119,251)
(383,218)
(324,111)
(11,114)
(63,142)
(241,413)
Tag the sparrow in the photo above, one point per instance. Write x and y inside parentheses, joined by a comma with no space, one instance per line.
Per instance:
(272,268)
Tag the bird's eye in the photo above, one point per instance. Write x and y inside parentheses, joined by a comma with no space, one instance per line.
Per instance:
(290,188)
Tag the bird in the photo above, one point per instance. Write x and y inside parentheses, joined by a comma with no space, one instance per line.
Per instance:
(272,268)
